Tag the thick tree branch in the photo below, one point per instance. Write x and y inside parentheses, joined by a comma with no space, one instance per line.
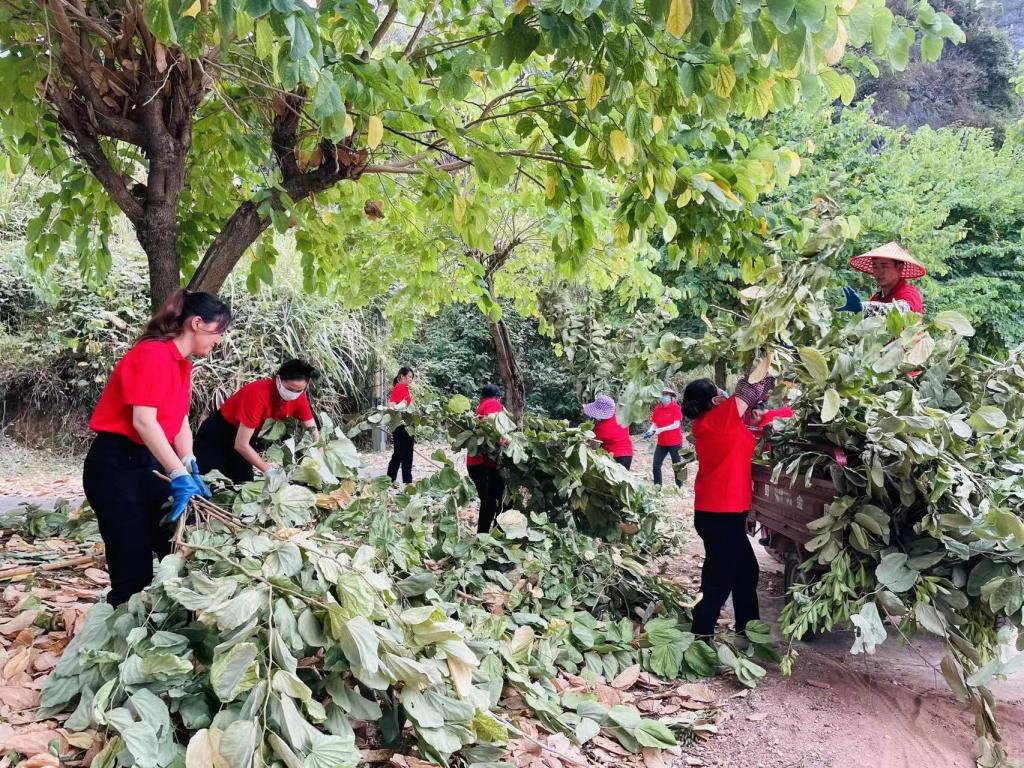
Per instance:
(88,145)
(382,29)
(411,45)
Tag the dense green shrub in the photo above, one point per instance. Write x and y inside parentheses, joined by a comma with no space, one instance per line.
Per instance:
(60,340)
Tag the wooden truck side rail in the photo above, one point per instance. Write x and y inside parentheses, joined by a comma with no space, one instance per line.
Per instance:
(784,508)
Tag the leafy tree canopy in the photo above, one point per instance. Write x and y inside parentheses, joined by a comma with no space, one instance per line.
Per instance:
(209,122)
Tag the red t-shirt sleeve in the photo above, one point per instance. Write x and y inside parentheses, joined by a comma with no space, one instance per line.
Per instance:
(912,296)
(252,409)
(146,376)
(400,394)
(487,407)
(302,410)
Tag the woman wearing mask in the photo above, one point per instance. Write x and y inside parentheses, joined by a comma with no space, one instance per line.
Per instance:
(227,439)
(723,494)
(667,424)
(401,455)
(483,470)
(141,426)
(614,437)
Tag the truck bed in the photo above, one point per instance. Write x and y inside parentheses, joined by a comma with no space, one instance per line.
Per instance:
(784,508)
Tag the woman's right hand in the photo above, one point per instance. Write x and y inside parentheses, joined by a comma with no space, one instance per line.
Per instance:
(183,489)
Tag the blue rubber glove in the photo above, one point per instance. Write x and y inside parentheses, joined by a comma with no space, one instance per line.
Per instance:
(193,466)
(853,301)
(648,434)
(183,488)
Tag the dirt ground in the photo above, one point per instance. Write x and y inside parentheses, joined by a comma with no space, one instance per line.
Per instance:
(888,710)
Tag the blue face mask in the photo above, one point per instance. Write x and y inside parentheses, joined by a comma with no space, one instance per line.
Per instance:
(665,399)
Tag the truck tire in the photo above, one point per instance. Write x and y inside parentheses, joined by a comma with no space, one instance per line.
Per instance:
(793,576)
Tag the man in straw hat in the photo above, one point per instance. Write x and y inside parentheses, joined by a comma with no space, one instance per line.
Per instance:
(891,267)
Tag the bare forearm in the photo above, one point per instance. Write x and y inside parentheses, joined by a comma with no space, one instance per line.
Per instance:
(251,455)
(156,441)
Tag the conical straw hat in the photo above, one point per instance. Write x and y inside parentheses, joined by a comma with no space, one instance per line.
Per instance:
(912,269)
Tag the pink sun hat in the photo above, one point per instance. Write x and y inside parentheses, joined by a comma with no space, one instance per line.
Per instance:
(602,408)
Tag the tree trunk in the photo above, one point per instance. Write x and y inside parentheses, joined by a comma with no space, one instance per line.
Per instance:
(508,370)
(240,231)
(158,237)
(721,373)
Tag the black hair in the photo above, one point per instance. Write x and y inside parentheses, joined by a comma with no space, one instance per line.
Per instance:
(170,320)
(698,398)
(402,372)
(297,370)
(489,390)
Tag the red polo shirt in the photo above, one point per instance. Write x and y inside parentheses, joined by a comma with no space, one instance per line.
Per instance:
(662,416)
(725,448)
(614,437)
(153,373)
(903,291)
(258,401)
(487,406)
(400,394)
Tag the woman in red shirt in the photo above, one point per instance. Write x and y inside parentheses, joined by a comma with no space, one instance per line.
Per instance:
(667,424)
(401,455)
(483,470)
(226,441)
(613,436)
(723,494)
(141,426)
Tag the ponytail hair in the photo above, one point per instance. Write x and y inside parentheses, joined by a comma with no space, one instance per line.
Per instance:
(404,370)
(698,398)
(170,320)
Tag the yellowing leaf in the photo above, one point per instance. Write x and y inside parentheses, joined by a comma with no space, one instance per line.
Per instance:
(763,227)
(621,233)
(811,147)
(727,191)
(794,161)
(680,14)
(477,76)
(683,200)
(657,124)
(374,132)
(830,406)
(521,6)
(648,184)
(725,81)
(349,126)
(193,10)
(835,54)
(595,89)
(550,187)
(459,210)
(622,147)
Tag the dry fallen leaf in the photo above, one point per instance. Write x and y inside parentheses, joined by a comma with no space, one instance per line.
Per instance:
(18,698)
(18,664)
(626,678)
(22,621)
(42,760)
(696,691)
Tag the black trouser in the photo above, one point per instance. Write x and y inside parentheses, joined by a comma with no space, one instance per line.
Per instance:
(490,487)
(127,498)
(729,567)
(660,452)
(401,456)
(626,461)
(215,449)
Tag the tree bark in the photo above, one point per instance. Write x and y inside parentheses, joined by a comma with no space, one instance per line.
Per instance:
(721,373)
(508,370)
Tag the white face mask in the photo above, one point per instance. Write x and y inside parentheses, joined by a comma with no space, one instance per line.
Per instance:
(286,394)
